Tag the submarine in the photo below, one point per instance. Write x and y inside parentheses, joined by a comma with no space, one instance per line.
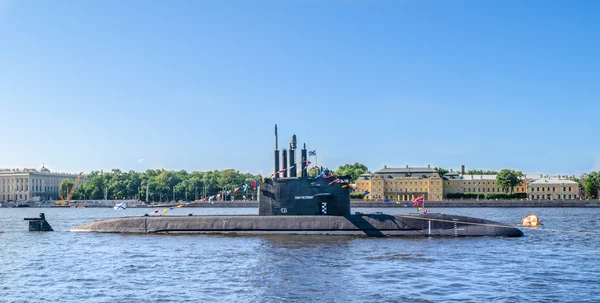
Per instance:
(292,204)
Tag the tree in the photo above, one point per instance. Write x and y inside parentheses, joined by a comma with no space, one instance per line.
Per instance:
(353,170)
(441,171)
(507,179)
(65,187)
(592,185)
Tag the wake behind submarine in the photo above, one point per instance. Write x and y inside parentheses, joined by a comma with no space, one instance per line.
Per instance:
(303,205)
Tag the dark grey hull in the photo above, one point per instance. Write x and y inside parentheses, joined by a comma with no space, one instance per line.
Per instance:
(376,225)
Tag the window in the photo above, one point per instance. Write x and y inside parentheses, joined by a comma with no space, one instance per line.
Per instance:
(538,196)
(569,188)
(553,188)
(569,196)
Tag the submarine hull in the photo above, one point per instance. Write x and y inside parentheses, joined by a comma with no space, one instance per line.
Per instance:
(375,225)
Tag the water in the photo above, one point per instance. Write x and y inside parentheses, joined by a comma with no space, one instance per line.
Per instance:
(62,266)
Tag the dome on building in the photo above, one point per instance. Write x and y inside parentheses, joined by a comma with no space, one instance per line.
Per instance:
(44,169)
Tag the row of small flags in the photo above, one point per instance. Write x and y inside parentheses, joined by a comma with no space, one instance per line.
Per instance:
(157,212)
(281,171)
(244,187)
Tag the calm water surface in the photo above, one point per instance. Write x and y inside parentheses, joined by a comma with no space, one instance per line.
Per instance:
(61,266)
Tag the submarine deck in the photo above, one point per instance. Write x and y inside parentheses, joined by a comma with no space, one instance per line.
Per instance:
(378,225)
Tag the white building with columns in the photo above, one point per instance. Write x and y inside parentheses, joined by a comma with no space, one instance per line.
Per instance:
(30,184)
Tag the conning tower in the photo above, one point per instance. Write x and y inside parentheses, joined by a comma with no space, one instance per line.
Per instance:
(293,195)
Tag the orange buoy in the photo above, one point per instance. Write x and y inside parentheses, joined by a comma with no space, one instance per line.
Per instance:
(531,220)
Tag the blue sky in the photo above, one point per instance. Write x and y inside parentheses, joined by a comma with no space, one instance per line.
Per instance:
(198,85)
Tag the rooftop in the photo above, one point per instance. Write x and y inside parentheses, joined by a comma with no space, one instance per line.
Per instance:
(404,170)
(479,177)
(43,170)
(364,177)
(558,181)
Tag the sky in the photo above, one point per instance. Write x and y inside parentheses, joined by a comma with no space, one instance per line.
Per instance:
(199,85)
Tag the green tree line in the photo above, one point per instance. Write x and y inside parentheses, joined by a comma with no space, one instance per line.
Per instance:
(161,185)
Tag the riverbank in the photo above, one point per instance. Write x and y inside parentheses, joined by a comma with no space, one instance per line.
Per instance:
(484,203)
(368,204)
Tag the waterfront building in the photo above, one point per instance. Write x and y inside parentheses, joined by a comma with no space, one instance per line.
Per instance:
(484,184)
(402,184)
(553,189)
(31,185)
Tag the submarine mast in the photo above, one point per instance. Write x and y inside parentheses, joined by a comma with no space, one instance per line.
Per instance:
(285,163)
(303,168)
(293,157)
(276,154)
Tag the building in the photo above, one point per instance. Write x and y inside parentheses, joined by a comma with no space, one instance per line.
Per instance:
(31,185)
(483,184)
(553,189)
(363,184)
(402,184)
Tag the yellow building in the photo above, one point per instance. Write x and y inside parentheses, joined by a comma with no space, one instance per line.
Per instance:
(363,184)
(402,184)
(484,184)
(553,189)
(405,184)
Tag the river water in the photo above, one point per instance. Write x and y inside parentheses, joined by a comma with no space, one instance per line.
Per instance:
(555,263)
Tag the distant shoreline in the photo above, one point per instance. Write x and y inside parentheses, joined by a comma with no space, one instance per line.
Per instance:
(380,204)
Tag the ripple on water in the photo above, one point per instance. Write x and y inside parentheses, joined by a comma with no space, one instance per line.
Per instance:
(405,257)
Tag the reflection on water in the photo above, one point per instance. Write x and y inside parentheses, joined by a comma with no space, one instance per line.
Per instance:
(72,267)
